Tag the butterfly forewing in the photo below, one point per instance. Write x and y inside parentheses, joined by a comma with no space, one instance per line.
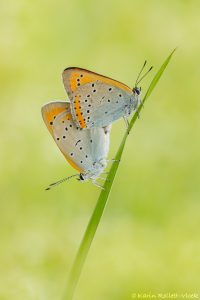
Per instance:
(50,112)
(96,100)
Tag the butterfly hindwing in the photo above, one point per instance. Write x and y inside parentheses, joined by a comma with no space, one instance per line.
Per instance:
(96,100)
(82,148)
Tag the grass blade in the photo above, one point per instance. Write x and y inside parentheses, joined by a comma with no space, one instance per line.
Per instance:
(99,208)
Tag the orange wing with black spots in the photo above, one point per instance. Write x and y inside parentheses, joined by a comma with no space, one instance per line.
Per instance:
(78,111)
(85,150)
(74,77)
(50,113)
(95,100)
(51,110)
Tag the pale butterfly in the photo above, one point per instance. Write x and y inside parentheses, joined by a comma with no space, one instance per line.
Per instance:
(96,100)
(85,150)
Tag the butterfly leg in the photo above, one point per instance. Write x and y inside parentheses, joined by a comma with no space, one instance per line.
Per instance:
(98,185)
(126,122)
(113,160)
(104,179)
(139,103)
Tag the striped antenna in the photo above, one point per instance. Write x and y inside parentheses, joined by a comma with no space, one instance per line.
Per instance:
(60,181)
(136,82)
(145,74)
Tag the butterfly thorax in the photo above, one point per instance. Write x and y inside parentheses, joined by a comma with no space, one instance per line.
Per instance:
(95,171)
(135,100)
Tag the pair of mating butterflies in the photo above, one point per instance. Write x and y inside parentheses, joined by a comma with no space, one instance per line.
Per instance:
(81,127)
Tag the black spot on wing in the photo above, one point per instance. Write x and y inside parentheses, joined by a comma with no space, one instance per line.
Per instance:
(77,142)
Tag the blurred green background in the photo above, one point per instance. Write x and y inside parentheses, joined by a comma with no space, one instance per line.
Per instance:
(148,239)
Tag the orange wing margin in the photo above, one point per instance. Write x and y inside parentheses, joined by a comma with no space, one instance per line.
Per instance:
(74,77)
(49,112)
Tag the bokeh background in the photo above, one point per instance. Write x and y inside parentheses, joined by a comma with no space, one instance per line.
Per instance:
(148,239)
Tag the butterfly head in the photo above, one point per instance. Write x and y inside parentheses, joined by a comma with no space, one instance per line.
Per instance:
(85,176)
(82,177)
(96,169)
(136,91)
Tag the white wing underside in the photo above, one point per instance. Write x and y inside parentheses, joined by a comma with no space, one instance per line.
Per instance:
(100,103)
(83,147)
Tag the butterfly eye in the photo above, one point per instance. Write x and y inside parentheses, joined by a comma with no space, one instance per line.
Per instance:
(137,91)
(81,176)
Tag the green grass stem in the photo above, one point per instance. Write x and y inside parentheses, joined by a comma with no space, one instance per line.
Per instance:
(103,197)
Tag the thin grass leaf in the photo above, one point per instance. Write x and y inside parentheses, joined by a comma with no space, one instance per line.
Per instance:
(103,197)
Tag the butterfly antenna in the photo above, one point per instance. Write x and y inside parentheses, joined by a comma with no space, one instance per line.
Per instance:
(136,82)
(60,181)
(145,74)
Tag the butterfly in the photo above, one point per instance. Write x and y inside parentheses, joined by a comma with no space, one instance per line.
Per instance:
(96,100)
(85,150)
